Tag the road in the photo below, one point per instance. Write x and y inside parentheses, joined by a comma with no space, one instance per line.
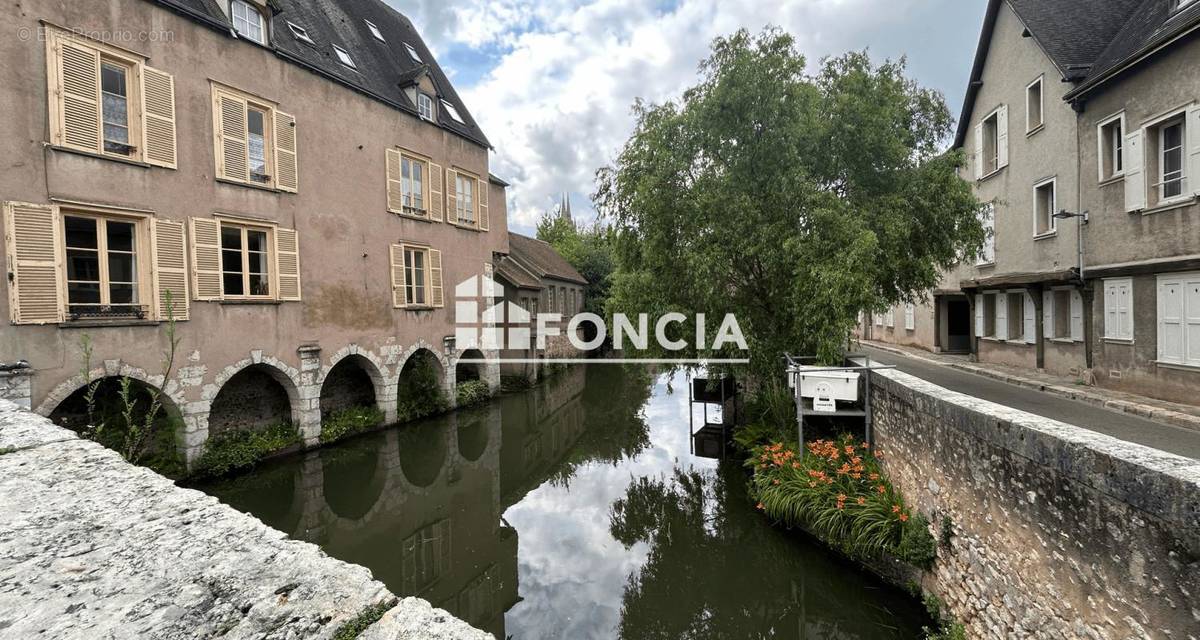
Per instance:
(1177,440)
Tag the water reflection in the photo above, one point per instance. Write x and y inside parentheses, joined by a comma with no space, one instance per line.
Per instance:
(621,532)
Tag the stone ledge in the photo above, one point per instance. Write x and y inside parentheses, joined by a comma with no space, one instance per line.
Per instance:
(91,547)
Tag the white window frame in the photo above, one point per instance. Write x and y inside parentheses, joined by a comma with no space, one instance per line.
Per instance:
(1181,280)
(300,32)
(890,318)
(344,57)
(1052,222)
(412,53)
(452,112)
(910,317)
(423,100)
(1030,128)
(234,18)
(995,159)
(374,30)
(407,197)
(425,286)
(1119,332)
(272,273)
(1108,152)
(1161,151)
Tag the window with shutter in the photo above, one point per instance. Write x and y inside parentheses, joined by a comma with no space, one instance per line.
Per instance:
(170,270)
(1076,316)
(910,317)
(483,205)
(206,259)
(286,169)
(287,262)
(416,277)
(435,192)
(1029,330)
(107,264)
(1001,328)
(33,241)
(1135,171)
(397,274)
(1179,319)
(254,142)
(104,100)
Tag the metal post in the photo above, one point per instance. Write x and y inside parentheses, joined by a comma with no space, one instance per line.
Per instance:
(799,416)
(868,417)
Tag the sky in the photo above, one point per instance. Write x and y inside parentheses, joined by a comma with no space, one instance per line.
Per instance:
(552,82)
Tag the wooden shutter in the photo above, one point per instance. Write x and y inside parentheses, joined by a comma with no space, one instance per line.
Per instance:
(451,196)
(1048,314)
(1192,131)
(436,296)
(1125,310)
(1170,320)
(397,263)
(980,323)
(170,268)
(1191,316)
(1135,171)
(206,259)
(977,156)
(158,117)
(1030,326)
(287,263)
(434,199)
(910,313)
(77,103)
(1002,316)
(1111,322)
(233,152)
(287,177)
(33,244)
(395,195)
(1076,316)
(1002,137)
(483,203)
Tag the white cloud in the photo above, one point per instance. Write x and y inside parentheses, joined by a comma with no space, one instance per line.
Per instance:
(556,100)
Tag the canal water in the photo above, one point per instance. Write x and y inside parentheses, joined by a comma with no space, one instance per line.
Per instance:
(573,510)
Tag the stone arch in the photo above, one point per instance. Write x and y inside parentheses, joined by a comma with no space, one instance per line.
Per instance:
(421,385)
(111,368)
(467,371)
(352,380)
(253,395)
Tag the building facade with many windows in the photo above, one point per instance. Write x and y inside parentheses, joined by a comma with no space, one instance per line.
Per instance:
(296,185)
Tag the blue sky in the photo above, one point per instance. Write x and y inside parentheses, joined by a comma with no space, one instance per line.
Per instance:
(552,81)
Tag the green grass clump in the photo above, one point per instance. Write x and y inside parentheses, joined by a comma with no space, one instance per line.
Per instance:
(241,449)
(347,422)
(364,619)
(473,392)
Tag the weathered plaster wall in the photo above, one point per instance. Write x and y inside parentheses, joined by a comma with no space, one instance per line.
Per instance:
(1059,532)
(92,547)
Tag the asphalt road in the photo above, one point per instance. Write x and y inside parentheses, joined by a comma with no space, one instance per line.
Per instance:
(1177,440)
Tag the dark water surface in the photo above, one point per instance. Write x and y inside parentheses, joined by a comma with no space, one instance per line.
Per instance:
(570,511)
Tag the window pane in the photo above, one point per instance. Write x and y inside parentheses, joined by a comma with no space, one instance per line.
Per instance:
(83,293)
(231,237)
(233,284)
(122,294)
(119,235)
(121,267)
(259,285)
(83,265)
(257,142)
(115,106)
(81,232)
(231,261)
(256,240)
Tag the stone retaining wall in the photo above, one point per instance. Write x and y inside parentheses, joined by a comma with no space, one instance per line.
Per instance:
(1058,532)
(93,547)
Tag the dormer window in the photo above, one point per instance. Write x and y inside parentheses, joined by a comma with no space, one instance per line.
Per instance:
(412,53)
(425,106)
(374,31)
(248,22)
(344,56)
(300,32)
(1180,4)
(453,112)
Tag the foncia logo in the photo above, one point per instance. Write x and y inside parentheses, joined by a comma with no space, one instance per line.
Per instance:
(485,319)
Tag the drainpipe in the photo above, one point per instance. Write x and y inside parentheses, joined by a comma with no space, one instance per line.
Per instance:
(1039,330)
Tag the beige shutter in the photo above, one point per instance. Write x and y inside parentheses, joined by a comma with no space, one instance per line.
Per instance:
(980,323)
(1134,162)
(287,177)
(230,132)
(287,263)
(170,268)
(1192,131)
(1029,327)
(1002,137)
(398,300)
(977,156)
(434,201)
(206,259)
(451,196)
(33,244)
(158,92)
(436,297)
(77,103)
(483,204)
(395,196)
(1048,314)
(1076,316)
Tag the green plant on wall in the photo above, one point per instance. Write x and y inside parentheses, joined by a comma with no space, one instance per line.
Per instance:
(347,422)
(473,392)
(419,393)
(240,449)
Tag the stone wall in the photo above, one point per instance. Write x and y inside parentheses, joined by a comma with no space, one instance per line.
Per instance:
(92,547)
(1058,532)
(15,386)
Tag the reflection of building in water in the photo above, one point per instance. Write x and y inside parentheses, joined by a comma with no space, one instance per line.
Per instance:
(533,448)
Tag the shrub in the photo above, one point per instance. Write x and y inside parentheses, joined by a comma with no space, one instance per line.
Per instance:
(473,392)
(917,546)
(367,617)
(234,450)
(419,394)
(839,493)
(347,422)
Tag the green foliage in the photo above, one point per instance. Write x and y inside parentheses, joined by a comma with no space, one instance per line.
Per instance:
(773,403)
(242,449)
(419,393)
(366,618)
(347,422)
(793,201)
(838,492)
(947,628)
(514,383)
(917,546)
(947,532)
(590,250)
(758,434)
(473,392)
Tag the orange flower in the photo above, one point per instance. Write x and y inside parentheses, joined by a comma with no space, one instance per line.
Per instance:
(760,506)
(874,476)
(795,465)
(862,501)
(881,488)
(895,508)
(775,481)
(841,497)
(849,450)
(904,517)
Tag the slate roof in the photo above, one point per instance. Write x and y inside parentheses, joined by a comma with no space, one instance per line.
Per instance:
(541,258)
(1088,41)
(516,274)
(382,68)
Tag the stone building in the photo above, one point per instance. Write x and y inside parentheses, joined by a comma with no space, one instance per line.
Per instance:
(538,279)
(300,179)
(1070,112)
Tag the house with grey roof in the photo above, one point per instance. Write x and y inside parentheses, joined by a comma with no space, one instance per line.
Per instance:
(1081,128)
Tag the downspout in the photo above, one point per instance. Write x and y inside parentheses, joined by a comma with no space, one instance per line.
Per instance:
(1085,292)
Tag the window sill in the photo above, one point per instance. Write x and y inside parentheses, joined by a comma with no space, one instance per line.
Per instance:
(101,156)
(1063,341)
(1045,236)
(417,307)
(467,227)
(116,322)
(1169,206)
(411,216)
(1177,366)
(989,175)
(251,185)
(1117,340)
(985,265)
(1120,177)
(1036,130)
(237,302)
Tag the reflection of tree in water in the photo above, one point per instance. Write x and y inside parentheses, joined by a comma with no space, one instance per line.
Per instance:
(715,570)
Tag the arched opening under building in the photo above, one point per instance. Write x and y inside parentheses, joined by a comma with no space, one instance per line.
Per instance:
(473,433)
(423,450)
(119,413)
(255,399)
(419,389)
(348,397)
(354,477)
(468,377)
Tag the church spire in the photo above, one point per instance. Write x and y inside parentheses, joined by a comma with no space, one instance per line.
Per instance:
(564,207)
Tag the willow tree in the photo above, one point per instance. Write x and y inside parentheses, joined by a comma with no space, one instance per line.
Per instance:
(793,200)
